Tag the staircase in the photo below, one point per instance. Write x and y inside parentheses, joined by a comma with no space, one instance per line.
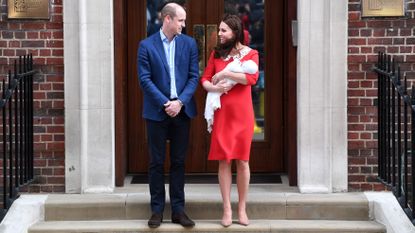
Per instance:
(268,211)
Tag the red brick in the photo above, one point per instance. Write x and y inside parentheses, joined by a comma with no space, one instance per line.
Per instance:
(380,24)
(45,35)
(356,58)
(393,49)
(353,119)
(356,92)
(32,35)
(32,26)
(366,84)
(353,32)
(57,35)
(56,9)
(46,137)
(357,41)
(354,16)
(356,75)
(356,160)
(357,24)
(353,67)
(59,120)
(405,49)
(355,127)
(353,169)
(54,25)
(19,35)
(365,118)
(60,146)
(357,178)
(371,144)
(55,180)
(392,32)
(366,32)
(353,50)
(56,162)
(14,44)
(59,137)
(353,84)
(377,41)
(57,19)
(365,136)
(54,44)
(366,49)
(379,32)
(59,171)
(55,129)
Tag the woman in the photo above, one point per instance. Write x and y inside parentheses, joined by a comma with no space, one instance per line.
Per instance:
(233,123)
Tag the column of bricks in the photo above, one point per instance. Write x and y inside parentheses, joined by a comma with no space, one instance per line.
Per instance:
(366,37)
(43,39)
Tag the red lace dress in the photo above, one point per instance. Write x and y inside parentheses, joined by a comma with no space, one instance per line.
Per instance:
(233,126)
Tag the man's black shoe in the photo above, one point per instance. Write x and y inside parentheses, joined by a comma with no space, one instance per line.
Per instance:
(182,219)
(155,220)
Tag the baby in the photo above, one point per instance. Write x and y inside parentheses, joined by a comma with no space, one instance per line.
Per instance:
(213,98)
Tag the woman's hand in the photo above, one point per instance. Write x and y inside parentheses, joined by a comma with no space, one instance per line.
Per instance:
(223,86)
(219,77)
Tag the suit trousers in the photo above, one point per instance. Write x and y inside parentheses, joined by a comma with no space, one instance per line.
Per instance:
(176,129)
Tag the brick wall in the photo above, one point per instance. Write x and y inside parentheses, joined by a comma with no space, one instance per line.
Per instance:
(367,36)
(44,39)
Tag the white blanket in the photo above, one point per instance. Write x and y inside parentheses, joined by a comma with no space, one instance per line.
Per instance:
(213,98)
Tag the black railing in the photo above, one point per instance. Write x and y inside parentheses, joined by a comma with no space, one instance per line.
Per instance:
(396,125)
(16,106)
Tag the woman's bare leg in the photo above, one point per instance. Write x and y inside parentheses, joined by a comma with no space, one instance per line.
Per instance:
(225,183)
(242,181)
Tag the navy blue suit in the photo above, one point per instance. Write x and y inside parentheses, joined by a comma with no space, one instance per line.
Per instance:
(154,79)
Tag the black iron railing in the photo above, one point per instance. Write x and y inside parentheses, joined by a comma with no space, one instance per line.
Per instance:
(396,125)
(16,106)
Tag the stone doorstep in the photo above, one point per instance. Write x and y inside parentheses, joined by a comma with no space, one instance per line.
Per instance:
(339,206)
(292,226)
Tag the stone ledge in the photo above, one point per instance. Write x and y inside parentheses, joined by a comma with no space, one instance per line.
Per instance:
(292,226)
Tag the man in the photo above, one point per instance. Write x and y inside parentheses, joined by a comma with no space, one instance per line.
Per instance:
(168,75)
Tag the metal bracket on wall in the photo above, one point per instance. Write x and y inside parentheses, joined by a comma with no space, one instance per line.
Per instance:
(294,32)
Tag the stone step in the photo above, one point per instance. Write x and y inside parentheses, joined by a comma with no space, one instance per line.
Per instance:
(272,206)
(291,226)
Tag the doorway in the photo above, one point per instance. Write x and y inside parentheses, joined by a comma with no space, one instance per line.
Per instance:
(266,22)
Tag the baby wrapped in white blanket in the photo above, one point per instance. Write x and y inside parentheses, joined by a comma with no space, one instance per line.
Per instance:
(213,98)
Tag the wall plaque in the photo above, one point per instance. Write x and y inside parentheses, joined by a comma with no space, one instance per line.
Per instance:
(28,9)
(381,8)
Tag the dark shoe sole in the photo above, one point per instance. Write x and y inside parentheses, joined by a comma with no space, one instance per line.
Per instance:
(153,226)
(178,222)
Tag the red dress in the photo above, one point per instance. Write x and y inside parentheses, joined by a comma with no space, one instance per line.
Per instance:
(233,126)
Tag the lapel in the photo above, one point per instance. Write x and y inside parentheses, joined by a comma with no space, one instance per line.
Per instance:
(158,44)
(179,49)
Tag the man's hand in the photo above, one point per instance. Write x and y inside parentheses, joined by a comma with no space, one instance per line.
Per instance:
(172,108)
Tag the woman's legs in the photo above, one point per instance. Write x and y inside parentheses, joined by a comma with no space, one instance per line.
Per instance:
(242,181)
(225,183)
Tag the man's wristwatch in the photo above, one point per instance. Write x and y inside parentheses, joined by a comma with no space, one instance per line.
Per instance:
(180,102)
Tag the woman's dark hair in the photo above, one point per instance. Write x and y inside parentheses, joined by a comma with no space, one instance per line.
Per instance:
(235,24)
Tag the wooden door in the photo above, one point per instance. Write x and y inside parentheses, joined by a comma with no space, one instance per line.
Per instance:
(203,16)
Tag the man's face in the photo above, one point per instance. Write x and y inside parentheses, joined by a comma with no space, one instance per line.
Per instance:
(177,23)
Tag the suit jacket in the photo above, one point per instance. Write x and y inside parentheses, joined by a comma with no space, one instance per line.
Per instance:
(154,75)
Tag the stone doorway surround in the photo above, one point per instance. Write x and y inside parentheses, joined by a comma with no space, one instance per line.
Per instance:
(321,95)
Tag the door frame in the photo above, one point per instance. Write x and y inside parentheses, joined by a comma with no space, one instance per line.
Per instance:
(121,101)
